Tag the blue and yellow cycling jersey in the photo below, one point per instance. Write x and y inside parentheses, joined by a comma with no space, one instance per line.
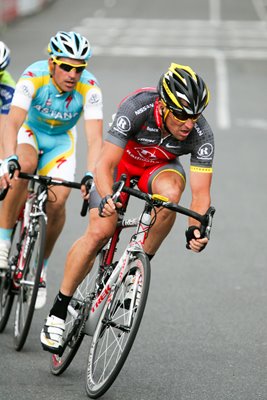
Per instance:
(7,86)
(51,111)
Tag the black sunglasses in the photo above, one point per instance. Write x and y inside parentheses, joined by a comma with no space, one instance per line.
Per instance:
(183,116)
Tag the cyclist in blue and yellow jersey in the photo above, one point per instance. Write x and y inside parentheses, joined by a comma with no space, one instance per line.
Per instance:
(7,87)
(49,99)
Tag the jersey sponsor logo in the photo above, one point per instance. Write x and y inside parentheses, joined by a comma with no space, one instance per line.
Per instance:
(60,161)
(68,100)
(146,140)
(48,102)
(55,114)
(152,129)
(152,155)
(94,98)
(198,129)
(205,151)
(25,91)
(170,146)
(92,82)
(29,73)
(5,94)
(123,124)
(144,108)
(29,132)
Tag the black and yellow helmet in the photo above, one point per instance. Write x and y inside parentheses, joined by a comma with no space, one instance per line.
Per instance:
(179,83)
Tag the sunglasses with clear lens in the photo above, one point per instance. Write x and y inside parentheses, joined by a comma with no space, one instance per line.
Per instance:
(69,67)
(183,117)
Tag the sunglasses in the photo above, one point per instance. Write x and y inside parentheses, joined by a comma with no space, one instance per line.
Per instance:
(183,116)
(69,67)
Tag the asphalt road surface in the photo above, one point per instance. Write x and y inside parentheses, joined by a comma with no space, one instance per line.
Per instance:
(204,331)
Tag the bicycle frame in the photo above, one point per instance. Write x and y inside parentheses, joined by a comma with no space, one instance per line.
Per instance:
(135,245)
(22,279)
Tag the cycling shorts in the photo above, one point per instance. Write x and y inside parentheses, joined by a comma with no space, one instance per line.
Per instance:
(57,153)
(145,176)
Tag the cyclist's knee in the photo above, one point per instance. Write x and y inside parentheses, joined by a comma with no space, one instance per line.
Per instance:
(100,229)
(169,185)
(172,191)
(28,159)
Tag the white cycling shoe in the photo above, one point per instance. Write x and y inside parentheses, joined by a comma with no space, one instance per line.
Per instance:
(52,334)
(42,291)
(4,252)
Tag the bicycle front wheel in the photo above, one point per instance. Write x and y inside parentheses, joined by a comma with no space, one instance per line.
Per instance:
(7,291)
(117,327)
(32,256)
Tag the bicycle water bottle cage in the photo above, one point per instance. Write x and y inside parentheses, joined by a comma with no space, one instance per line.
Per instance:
(159,197)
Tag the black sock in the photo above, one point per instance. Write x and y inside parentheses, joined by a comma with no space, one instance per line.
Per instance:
(60,306)
(150,256)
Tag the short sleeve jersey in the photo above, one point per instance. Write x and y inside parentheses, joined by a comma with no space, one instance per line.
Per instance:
(7,86)
(51,111)
(137,128)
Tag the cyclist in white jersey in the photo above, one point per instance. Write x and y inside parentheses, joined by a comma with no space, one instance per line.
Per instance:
(49,98)
(7,86)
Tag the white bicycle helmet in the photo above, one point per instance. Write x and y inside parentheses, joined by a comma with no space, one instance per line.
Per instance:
(4,56)
(69,45)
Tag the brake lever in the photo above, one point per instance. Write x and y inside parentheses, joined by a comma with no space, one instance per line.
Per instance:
(117,187)
(206,229)
(3,192)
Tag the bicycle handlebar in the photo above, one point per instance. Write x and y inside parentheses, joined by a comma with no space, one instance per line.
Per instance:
(205,219)
(56,182)
(47,180)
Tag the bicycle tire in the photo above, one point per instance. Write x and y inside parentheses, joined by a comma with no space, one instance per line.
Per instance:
(111,342)
(6,286)
(6,301)
(29,285)
(59,363)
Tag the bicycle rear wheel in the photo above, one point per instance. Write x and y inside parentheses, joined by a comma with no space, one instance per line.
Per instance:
(73,335)
(6,286)
(32,255)
(117,328)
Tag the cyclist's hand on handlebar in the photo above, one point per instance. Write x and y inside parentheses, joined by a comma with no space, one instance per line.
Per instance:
(107,207)
(194,241)
(9,168)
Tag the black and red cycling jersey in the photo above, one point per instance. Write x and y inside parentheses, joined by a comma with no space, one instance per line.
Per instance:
(137,128)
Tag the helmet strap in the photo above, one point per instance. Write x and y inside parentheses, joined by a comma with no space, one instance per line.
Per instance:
(164,118)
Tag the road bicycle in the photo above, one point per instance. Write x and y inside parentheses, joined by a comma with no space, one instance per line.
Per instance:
(110,302)
(23,278)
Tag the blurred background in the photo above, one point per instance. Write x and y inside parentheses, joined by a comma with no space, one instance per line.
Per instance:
(204,332)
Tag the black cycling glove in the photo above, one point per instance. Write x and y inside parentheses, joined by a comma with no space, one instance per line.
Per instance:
(189,234)
(102,204)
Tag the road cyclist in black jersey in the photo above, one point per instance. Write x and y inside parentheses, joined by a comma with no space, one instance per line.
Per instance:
(152,129)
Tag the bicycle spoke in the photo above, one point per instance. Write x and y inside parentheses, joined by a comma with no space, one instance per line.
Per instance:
(117,328)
